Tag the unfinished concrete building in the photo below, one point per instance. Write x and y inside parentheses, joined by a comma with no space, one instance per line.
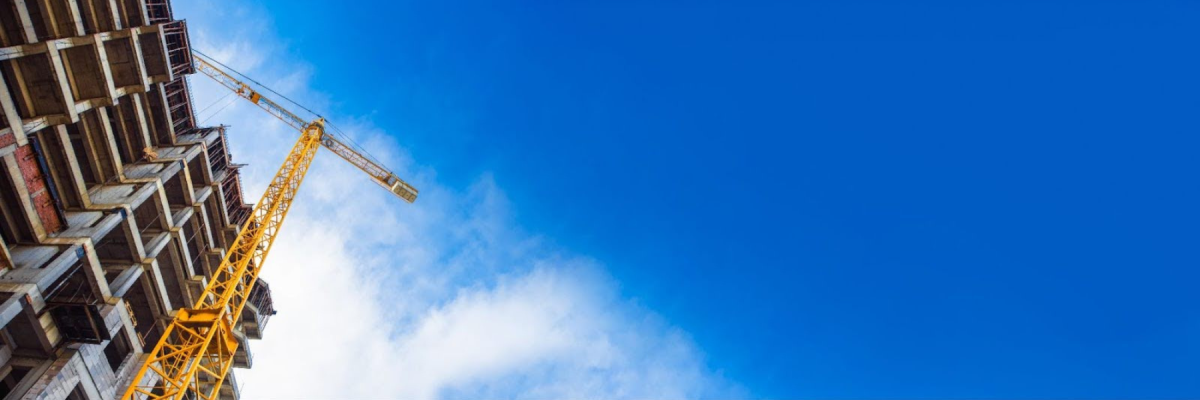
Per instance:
(114,206)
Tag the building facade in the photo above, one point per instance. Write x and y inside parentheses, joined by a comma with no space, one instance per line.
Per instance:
(115,208)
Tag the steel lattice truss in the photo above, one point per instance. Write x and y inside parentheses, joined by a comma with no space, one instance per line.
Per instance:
(197,349)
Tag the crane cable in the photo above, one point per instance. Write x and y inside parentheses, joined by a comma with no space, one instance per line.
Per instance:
(215,102)
(353,144)
(215,113)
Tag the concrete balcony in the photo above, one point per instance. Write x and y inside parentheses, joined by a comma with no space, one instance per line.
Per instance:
(259,309)
(41,265)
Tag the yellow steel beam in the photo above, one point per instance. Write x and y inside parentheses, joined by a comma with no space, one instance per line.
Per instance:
(197,348)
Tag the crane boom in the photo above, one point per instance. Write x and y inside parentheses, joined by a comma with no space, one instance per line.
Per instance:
(378,173)
(197,348)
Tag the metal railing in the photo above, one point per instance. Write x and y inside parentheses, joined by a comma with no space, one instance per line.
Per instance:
(159,11)
(260,298)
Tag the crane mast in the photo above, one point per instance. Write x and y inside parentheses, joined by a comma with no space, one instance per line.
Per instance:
(197,348)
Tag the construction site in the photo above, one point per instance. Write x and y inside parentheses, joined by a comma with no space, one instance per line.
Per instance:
(128,250)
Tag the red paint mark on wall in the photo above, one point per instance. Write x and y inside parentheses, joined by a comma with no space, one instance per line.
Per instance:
(38,193)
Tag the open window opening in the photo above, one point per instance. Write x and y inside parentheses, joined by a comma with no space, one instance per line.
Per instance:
(88,141)
(12,378)
(117,350)
(157,115)
(77,393)
(85,73)
(150,220)
(195,247)
(15,227)
(127,131)
(177,194)
(60,174)
(97,16)
(9,22)
(35,76)
(75,307)
(141,304)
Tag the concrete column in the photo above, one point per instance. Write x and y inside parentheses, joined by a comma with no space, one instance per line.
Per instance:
(12,118)
(22,11)
(64,87)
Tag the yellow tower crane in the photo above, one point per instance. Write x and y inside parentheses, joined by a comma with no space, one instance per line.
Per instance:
(195,352)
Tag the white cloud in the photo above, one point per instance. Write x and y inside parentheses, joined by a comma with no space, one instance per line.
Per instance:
(447,297)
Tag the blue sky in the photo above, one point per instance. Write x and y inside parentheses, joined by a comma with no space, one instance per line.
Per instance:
(819,199)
